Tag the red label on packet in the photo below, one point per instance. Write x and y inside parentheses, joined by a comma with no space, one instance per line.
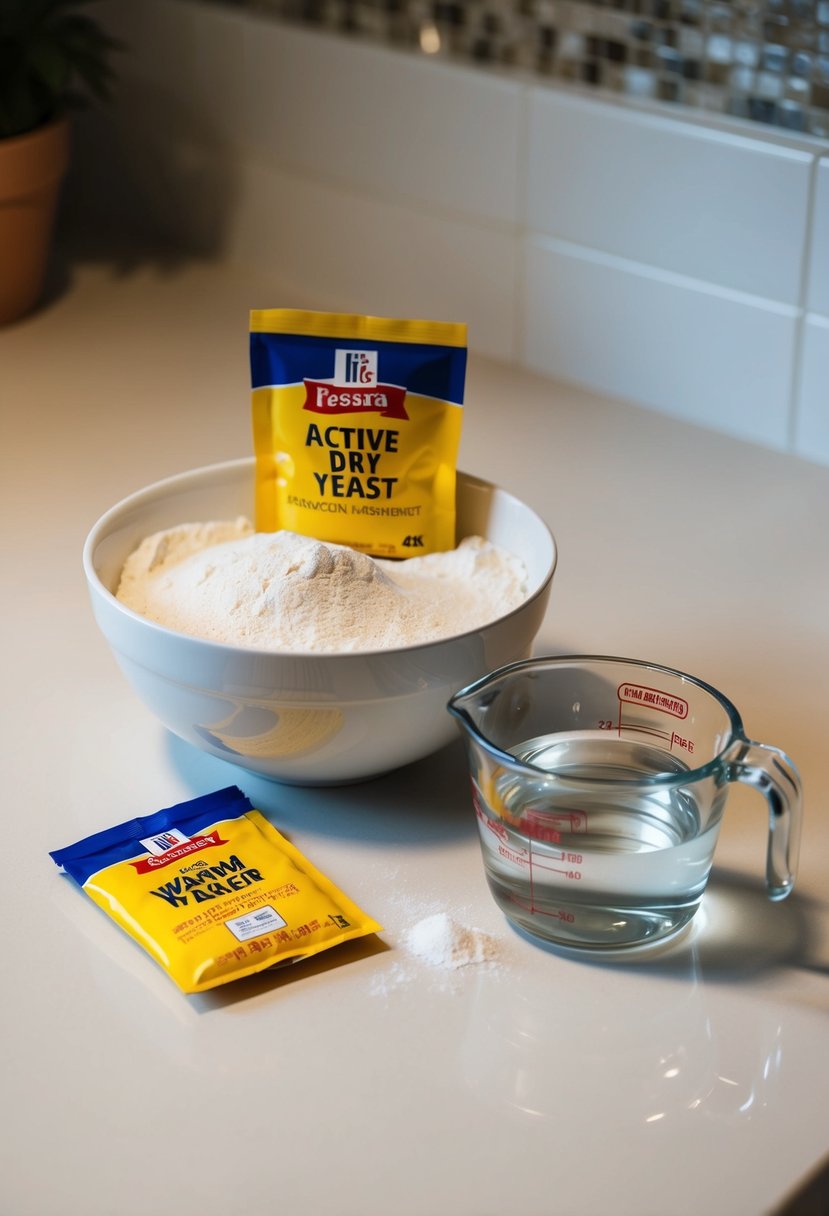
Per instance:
(387,400)
(177,852)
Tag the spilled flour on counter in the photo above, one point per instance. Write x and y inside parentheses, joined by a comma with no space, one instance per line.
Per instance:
(446,946)
(441,941)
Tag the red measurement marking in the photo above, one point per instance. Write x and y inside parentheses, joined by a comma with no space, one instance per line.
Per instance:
(517,859)
(653,698)
(639,729)
(548,826)
(539,827)
(552,913)
(497,829)
(679,741)
(573,875)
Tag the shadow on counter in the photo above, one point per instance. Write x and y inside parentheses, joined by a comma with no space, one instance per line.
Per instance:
(149,185)
(426,803)
(812,1199)
(737,935)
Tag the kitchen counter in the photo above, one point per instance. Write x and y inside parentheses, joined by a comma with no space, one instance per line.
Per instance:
(368,1081)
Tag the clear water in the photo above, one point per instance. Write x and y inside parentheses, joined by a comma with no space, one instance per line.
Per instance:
(612,867)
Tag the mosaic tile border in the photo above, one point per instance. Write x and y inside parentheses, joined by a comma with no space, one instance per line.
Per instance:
(766,61)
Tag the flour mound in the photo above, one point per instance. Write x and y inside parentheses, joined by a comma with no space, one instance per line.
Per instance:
(280,591)
(443,942)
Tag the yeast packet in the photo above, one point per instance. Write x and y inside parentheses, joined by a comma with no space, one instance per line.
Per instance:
(356,428)
(212,891)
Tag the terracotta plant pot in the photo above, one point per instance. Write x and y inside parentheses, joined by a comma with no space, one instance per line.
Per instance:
(32,167)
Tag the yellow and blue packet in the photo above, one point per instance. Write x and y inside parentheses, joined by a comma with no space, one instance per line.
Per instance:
(357,427)
(212,891)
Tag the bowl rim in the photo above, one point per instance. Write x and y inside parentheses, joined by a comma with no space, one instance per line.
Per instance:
(204,473)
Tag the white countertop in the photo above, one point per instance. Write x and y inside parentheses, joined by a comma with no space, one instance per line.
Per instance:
(367,1082)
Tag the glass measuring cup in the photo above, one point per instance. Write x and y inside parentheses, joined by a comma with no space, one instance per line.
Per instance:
(599,786)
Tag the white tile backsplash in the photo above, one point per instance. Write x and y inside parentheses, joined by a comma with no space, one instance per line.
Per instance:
(315,236)
(687,350)
(711,204)
(683,265)
(385,122)
(818,299)
(812,427)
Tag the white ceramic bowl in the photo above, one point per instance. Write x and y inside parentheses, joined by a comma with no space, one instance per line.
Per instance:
(307,719)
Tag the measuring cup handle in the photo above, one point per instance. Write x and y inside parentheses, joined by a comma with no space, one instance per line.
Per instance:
(772,772)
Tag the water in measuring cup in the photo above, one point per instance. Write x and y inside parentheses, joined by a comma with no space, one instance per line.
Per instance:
(607,867)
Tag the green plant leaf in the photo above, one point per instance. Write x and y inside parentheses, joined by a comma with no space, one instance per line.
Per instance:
(49,63)
(52,57)
(22,107)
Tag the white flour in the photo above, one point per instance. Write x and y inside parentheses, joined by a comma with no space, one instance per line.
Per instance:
(446,946)
(443,942)
(280,591)
(430,944)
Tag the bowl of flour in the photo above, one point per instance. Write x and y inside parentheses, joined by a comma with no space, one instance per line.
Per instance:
(308,662)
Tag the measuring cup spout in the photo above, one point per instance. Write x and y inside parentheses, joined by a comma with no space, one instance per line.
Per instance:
(772,772)
(468,706)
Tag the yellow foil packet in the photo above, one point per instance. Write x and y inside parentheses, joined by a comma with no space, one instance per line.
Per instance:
(212,891)
(356,428)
